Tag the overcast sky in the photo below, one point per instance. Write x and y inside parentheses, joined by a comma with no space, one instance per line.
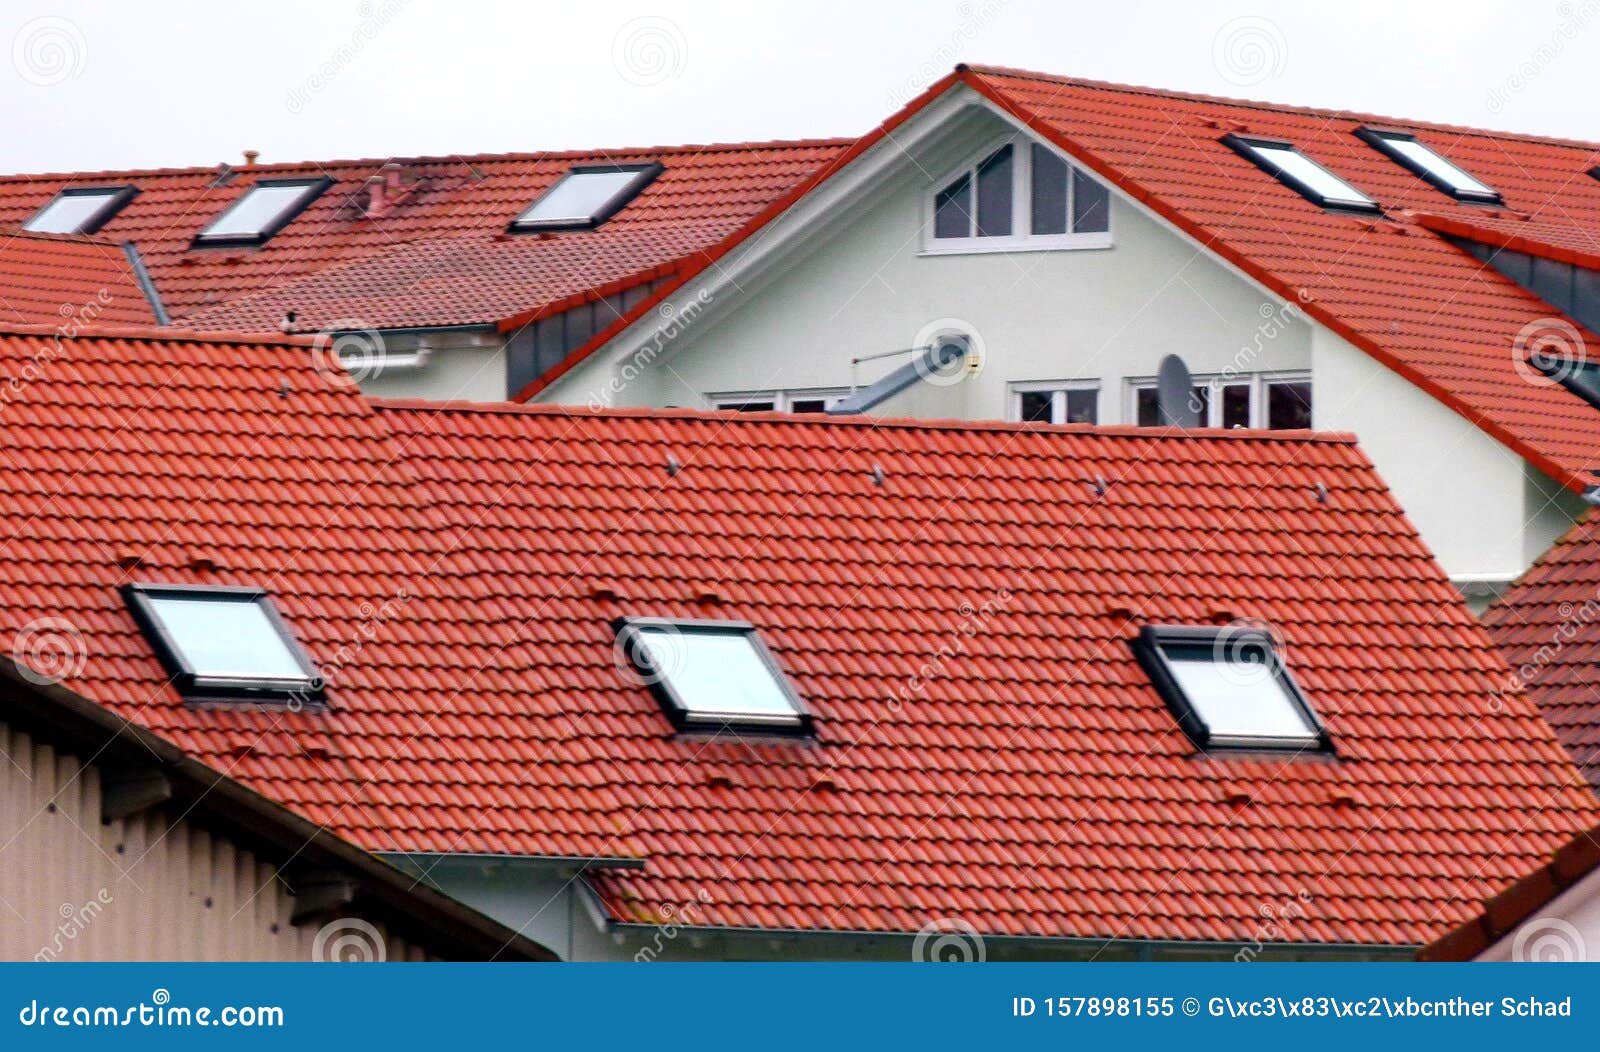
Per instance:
(102,84)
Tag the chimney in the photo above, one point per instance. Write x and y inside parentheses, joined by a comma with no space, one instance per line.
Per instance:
(383,190)
(250,158)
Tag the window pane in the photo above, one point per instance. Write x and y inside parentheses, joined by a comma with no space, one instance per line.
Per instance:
(68,213)
(1236,405)
(226,639)
(747,407)
(1091,205)
(808,405)
(1431,162)
(1200,402)
(1236,692)
(952,209)
(1049,191)
(1288,406)
(1083,407)
(1038,406)
(716,673)
(1146,407)
(578,196)
(1318,179)
(255,211)
(994,194)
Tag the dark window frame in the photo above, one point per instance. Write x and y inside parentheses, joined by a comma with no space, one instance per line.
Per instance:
(194,685)
(1245,146)
(644,174)
(1148,650)
(687,718)
(316,186)
(1380,139)
(1560,369)
(116,200)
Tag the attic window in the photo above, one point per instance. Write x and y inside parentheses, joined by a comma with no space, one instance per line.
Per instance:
(1301,174)
(1404,149)
(711,675)
(1229,688)
(223,643)
(80,210)
(266,208)
(1019,196)
(586,196)
(1580,376)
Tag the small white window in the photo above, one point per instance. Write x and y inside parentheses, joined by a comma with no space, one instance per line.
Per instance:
(1404,148)
(1274,401)
(80,210)
(266,208)
(1017,196)
(586,197)
(800,400)
(713,674)
(1065,402)
(1229,687)
(1301,174)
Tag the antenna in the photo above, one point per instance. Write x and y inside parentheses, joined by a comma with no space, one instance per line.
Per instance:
(1175,394)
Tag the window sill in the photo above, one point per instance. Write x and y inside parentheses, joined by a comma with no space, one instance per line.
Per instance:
(994,245)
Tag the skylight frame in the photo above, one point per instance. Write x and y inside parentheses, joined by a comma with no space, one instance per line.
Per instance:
(686,717)
(315,187)
(1150,649)
(116,198)
(1565,370)
(195,684)
(644,175)
(1383,140)
(1249,147)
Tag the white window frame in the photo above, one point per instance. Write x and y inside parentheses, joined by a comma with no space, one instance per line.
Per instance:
(1258,393)
(1058,403)
(782,401)
(1021,207)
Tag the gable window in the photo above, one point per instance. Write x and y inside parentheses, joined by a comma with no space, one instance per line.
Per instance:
(266,208)
(1062,402)
(1404,149)
(713,675)
(1274,401)
(586,196)
(1018,196)
(223,643)
(813,400)
(1301,174)
(1229,688)
(80,210)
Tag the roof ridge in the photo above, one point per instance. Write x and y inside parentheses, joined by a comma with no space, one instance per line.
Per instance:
(725,416)
(441,158)
(1275,107)
(153,333)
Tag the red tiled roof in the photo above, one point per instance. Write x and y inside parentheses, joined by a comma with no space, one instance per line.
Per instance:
(1390,286)
(1562,241)
(712,189)
(1548,625)
(47,279)
(455,571)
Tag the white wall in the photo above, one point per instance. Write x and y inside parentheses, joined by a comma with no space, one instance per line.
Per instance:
(458,369)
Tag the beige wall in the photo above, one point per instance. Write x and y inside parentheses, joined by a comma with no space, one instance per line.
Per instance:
(147,888)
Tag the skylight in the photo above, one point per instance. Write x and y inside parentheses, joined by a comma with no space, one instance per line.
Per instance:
(586,196)
(222,643)
(1404,148)
(713,674)
(266,208)
(80,210)
(1301,174)
(1229,688)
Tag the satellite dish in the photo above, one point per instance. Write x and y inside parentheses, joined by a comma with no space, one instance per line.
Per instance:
(1175,393)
